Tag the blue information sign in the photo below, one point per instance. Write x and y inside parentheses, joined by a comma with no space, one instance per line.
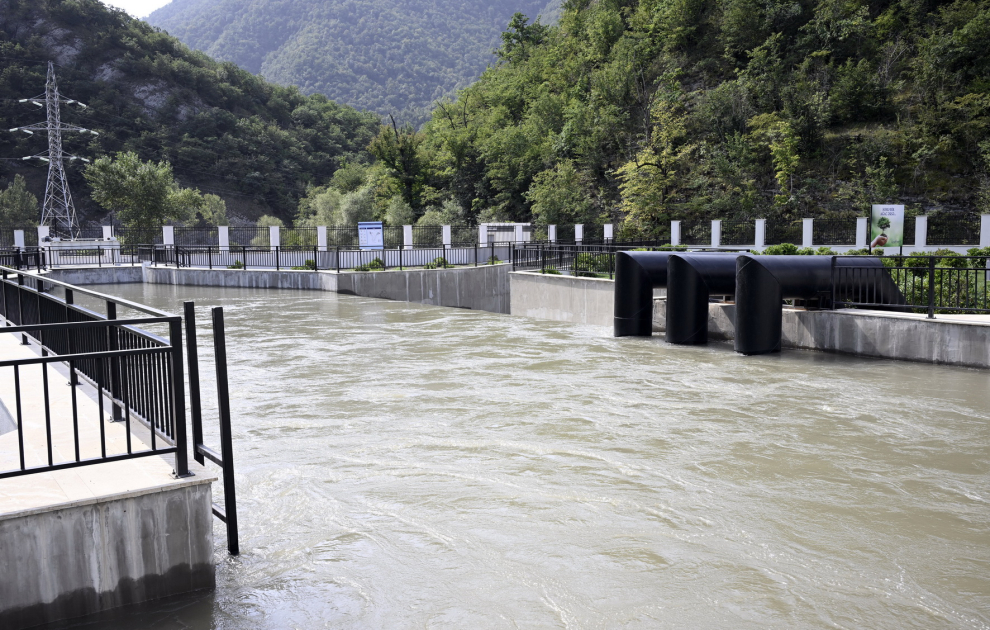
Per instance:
(371,235)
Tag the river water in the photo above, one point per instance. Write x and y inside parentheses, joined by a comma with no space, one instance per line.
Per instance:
(407,466)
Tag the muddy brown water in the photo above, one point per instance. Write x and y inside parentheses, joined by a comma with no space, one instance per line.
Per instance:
(406,466)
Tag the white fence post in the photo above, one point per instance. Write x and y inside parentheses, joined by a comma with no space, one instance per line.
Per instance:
(760,234)
(578,232)
(446,236)
(19,238)
(808,235)
(43,232)
(223,236)
(609,231)
(552,233)
(519,233)
(274,237)
(985,230)
(861,236)
(107,232)
(716,233)
(483,235)
(321,237)
(675,232)
(921,232)
(168,235)
(407,239)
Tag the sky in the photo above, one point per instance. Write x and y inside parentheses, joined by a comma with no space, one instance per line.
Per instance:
(137,8)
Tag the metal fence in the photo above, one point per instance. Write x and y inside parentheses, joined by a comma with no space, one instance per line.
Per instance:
(779,232)
(735,233)
(928,284)
(948,229)
(696,233)
(834,231)
(197,236)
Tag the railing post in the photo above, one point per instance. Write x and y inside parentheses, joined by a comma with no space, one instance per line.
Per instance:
(920,233)
(113,343)
(192,356)
(337,247)
(807,232)
(760,234)
(278,264)
(931,287)
(716,233)
(226,439)
(675,232)
(862,229)
(178,400)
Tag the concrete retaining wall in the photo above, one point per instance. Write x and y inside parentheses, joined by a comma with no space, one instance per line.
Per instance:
(562,298)
(485,287)
(94,555)
(98,275)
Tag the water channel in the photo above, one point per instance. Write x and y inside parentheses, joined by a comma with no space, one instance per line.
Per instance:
(407,466)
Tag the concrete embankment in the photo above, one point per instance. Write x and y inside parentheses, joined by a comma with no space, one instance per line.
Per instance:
(950,339)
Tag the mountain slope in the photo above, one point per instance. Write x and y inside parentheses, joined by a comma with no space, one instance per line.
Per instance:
(393,57)
(225,130)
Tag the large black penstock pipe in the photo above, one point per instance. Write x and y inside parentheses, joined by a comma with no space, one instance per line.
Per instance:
(691,281)
(636,275)
(764,282)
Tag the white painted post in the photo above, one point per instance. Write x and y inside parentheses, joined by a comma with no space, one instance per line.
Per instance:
(608,232)
(808,237)
(985,230)
(19,238)
(321,237)
(446,236)
(921,233)
(168,235)
(483,235)
(716,233)
(861,228)
(223,235)
(675,232)
(43,232)
(519,233)
(107,232)
(760,235)
(274,237)
(552,233)
(578,232)
(407,240)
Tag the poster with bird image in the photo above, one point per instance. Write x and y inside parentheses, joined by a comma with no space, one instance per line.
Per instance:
(887,226)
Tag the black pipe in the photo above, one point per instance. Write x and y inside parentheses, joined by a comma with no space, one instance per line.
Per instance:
(764,282)
(691,281)
(636,274)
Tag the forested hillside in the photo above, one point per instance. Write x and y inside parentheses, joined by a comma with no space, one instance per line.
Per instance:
(390,56)
(257,144)
(643,111)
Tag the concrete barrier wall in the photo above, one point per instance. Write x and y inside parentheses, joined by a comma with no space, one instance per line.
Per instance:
(562,298)
(104,275)
(103,553)
(485,287)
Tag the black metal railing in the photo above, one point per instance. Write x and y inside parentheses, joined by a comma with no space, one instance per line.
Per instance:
(834,231)
(779,232)
(698,233)
(953,229)
(738,233)
(928,284)
(137,375)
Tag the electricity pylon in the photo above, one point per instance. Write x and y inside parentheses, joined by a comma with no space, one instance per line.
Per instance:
(58,212)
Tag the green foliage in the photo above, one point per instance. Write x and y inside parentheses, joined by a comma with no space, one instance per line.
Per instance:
(550,271)
(19,209)
(438,263)
(591,265)
(643,111)
(390,57)
(224,130)
(493,260)
(308,265)
(143,195)
(237,265)
(375,265)
(782,249)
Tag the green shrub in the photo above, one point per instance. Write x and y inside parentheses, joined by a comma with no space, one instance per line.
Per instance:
(982,253)
(783,249)
(308,265)
(825,250)
(493,260)
(438,263)
(552,272)
(375,265)
(237,265)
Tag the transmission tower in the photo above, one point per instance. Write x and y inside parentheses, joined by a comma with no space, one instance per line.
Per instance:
(58,212)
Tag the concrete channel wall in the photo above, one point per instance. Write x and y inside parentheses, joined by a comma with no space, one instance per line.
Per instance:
(562,298)
(83,557)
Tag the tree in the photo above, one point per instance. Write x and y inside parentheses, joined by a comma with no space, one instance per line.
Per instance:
(18,207)
(398,151)
(143,195)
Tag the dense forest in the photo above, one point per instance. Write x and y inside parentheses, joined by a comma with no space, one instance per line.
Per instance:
(389,56)
(223,129)
(642,111)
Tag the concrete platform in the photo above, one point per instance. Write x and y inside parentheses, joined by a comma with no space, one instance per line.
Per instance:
(95,537)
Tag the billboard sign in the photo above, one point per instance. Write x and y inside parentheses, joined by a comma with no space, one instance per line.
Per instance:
(371,235)
(887,226)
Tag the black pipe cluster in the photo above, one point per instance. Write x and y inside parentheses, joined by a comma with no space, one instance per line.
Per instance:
(759,284)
